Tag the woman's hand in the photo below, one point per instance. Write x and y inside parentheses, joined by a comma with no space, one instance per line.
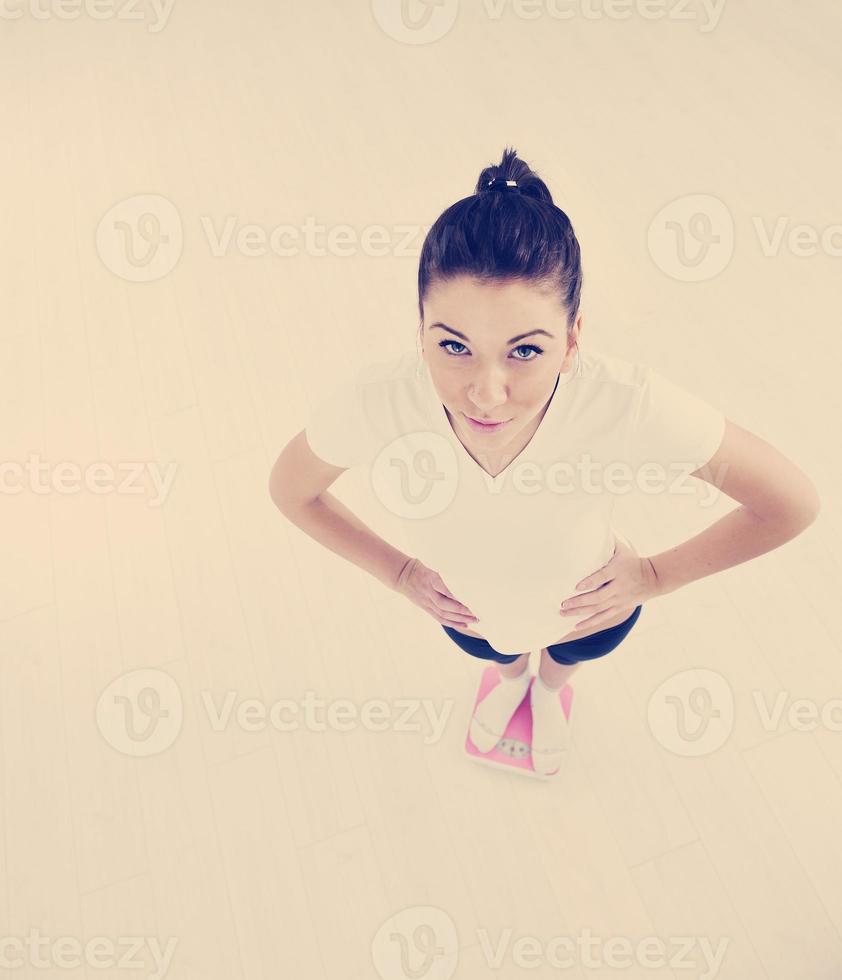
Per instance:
(626,580)
(426,589)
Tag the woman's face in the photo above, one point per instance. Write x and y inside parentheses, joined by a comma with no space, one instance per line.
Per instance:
(481,364)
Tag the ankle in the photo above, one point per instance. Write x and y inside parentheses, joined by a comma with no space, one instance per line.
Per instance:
(554,675)
(544,685)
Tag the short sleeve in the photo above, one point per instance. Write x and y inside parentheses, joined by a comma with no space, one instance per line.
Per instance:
(338,429)
(674,426)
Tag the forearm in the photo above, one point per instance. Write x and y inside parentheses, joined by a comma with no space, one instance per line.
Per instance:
(328,521)
(737,537)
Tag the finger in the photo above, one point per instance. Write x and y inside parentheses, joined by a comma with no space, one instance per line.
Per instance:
(452,608)
(600,578)
(595,619)
(446,600)
(454,605)
(445,620)
(581,608)
(578,606)
(577,603)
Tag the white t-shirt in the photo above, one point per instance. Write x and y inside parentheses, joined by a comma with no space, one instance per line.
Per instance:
(513,547)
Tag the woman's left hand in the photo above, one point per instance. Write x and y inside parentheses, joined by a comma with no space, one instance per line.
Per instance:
(627,580)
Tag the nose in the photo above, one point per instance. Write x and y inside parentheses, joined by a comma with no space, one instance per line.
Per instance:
(488,391)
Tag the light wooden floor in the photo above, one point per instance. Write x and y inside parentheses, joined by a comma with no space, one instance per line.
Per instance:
(131,812)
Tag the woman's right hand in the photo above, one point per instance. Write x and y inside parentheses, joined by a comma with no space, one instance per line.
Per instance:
(426,589)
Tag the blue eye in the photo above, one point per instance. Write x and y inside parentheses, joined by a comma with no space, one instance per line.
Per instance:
(444,344)
(529,347)
(532,347)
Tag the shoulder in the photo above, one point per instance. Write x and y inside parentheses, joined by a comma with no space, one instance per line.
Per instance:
(391,393)
(608,379)
(374,403)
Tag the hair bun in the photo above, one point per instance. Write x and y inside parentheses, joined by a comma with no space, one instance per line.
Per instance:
(498,177)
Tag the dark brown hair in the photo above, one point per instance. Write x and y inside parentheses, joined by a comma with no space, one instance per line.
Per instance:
(499,233)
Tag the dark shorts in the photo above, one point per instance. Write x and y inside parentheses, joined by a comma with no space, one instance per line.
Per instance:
(572,652)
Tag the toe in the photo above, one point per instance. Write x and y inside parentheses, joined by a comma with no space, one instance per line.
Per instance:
(482,737)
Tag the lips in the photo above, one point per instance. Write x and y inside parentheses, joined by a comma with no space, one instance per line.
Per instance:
(481,426)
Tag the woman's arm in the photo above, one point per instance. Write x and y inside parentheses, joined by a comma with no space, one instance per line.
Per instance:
(778,502)
(298,486)
(327,520)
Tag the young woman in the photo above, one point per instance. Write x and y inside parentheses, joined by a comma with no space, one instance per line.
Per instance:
(503,445)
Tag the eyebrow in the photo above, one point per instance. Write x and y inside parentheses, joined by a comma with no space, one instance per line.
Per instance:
(520,336)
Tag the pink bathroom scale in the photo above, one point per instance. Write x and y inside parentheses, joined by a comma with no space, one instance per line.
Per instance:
(513,751)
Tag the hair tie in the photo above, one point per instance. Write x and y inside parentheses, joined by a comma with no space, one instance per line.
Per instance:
(501,184)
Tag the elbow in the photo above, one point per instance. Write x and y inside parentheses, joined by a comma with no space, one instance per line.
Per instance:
(276,490)
(812,504)
(800,514)
(272,494)
(285,496)
(814,511)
